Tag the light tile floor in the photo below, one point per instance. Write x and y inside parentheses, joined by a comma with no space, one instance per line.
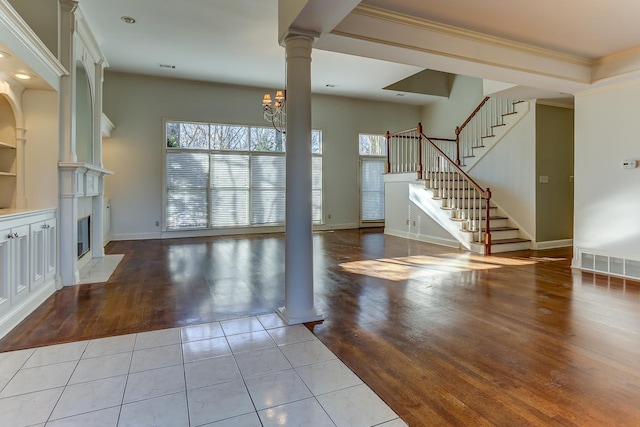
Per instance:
(99,269)
(245,372)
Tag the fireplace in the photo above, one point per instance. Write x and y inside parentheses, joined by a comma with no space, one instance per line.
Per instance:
(84,236)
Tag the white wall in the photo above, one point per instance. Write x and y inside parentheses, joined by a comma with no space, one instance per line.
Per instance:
(399,209)
(137,105)
(440,118)
(41,151)
(607,197)
(513,183)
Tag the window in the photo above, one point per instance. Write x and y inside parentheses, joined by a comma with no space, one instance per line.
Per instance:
(230,176)
(373,164)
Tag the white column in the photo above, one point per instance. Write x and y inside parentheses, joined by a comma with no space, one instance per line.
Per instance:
(68,180)
(299,306)
(97,217)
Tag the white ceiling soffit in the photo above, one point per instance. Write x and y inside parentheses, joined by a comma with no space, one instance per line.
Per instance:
(590,29)
(560,46)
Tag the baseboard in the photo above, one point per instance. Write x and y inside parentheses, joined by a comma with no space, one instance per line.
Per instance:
(327,227)
(450,243)
(21,311)
(136,236)
(551,244)
(224,232)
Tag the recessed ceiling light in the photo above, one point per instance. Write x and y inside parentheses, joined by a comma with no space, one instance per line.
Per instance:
(22,76)
(4,54)
(399,94)
(330,85)
(128,20)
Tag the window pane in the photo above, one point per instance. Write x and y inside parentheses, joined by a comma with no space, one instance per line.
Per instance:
(316,141)
(316,173)
(227,137)
(267,139)
(187,170)
(188,135)
(373,145)
(372,189)
(316,206)
(229,208)
(230,171)
(372,206)
(267,206)
(268,172)
(186,209)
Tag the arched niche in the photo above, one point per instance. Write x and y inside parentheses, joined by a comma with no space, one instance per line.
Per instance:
(8,153)
(84,116)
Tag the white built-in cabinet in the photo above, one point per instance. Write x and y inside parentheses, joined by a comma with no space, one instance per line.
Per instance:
(28,260)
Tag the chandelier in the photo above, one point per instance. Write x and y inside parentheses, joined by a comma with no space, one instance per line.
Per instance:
(275,112)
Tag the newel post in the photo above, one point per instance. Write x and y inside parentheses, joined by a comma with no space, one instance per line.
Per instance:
(388,137)
(458,145)
(487,234)
(419,150)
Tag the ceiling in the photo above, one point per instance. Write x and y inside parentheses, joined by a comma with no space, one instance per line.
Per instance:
(235,41)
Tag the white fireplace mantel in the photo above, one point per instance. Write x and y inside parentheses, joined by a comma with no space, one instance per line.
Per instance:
(81,179)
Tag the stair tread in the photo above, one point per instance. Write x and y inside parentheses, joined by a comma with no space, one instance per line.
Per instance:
(504,229)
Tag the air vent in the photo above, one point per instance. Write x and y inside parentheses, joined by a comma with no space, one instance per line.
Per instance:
(167,66)
(607,264)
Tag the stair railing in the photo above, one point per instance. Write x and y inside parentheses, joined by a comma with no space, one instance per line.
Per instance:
(404,151)
(411,151)
(480,124)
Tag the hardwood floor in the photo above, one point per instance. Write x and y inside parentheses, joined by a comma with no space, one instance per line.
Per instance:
(443,336)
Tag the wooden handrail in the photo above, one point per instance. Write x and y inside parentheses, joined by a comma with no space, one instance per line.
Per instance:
(466,122)
(433,138)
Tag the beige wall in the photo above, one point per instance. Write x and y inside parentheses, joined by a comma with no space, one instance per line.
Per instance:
(41,149)
(42,17)
(137,105)
(554,159)
(440,118)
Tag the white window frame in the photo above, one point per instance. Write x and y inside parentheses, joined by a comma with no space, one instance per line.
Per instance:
(361,159)
(318,216)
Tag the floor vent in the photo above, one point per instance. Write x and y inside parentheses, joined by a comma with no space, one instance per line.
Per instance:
(607,264)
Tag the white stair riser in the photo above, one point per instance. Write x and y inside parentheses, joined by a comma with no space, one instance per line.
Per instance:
(509,247)
(500,234)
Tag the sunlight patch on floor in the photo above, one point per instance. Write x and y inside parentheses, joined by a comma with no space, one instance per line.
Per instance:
(412,267)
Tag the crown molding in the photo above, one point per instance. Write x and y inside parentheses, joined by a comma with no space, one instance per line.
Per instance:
(24,39)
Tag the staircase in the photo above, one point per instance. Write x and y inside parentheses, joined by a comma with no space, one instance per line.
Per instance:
(449,195)
(465,208)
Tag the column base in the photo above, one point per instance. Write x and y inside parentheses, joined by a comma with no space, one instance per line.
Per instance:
(310,316)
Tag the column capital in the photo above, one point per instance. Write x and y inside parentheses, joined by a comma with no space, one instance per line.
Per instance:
(294,33)
(68,5)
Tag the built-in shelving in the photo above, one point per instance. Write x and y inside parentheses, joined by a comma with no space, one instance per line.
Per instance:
(8,155)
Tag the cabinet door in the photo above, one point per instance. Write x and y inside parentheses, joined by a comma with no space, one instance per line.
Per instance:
(20,254)
(38,238)
(50,251)
(5,270)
